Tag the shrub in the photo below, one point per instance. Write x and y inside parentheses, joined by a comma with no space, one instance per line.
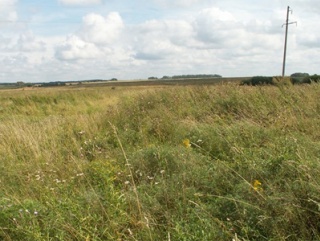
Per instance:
(309,79)
(258,80)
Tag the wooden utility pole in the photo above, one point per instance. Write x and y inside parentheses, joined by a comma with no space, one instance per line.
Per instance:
(285,41)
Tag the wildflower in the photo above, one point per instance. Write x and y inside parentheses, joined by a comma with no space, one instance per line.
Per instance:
(186,143)
(127,182)
(257,186)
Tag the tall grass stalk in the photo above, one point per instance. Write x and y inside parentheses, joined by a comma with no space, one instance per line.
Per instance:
(132,179)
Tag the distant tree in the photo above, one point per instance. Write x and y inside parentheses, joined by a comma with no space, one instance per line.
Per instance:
(312,78)
(300,78)
(258,80)
(152,78)
(300,75)
(166,77)
(114,79)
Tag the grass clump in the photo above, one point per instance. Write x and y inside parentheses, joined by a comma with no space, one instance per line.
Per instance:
(181,163)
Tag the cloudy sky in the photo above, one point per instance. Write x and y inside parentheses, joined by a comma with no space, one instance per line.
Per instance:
(59,40)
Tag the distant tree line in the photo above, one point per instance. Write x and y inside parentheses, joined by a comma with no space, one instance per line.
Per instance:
(189,76)
(49,84)
(304,78)
(21,84)
(200,76)
(296,78)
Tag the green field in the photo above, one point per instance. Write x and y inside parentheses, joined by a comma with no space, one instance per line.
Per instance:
(218,162)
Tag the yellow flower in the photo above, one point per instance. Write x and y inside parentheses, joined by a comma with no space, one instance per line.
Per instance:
(186,143)
(257,186)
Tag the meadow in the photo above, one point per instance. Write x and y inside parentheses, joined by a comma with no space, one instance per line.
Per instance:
(219,162)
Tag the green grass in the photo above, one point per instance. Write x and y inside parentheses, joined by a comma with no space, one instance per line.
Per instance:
(102,164)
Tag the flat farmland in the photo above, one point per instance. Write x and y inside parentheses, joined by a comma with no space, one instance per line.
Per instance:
(154,160)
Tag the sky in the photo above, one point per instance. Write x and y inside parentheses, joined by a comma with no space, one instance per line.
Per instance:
(70,40)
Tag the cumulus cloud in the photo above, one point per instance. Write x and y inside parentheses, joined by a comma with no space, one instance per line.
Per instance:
(7,10)
(221,30)
(161,39)
(27,42)
(80,2)
(155,49)
(101,30)
(94,38)
(75,48)
(215,26)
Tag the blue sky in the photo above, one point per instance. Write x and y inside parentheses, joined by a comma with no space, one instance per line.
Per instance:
(58,40)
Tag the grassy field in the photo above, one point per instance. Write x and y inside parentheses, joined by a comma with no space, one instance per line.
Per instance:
(220,162)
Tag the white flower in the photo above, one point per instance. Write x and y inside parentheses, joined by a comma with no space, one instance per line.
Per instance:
(81,132)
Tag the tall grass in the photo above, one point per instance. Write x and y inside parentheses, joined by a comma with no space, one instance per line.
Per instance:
(180,163)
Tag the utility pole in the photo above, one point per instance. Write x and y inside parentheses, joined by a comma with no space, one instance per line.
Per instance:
(285,41)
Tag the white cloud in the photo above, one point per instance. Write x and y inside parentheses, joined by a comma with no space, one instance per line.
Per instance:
(96,37)
(4,43)
(101,30)
(7,11)
(80,2)
(25,42)
(310,40)
(156,39)
(29,43)
(75,48)
(215,26)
